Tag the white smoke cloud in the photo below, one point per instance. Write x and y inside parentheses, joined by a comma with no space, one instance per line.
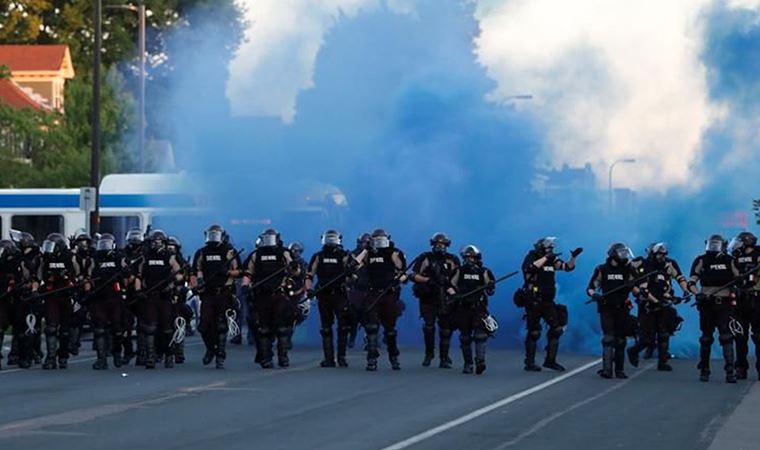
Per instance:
(611,79)
(277,61)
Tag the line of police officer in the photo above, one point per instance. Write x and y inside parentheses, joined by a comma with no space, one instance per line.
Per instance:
(145,287)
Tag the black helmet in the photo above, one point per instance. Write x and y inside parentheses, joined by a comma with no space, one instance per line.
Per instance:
(363,240)
(26,240)
(106,243)
(270,238)
(331,238)
(715,244)
(470,253)
(620,253)
(174,244)
(440,242)
(545,244)
(134,236)
(214,234)
(82,240)
(657,251)
(158,239)
(380,239)
(296,248)
(742,241)
(54,243)
(7,247)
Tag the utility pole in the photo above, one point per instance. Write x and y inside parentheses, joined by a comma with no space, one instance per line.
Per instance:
(95,151)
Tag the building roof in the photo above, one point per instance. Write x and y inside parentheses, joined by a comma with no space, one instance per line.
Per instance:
(39,58)
(17,97)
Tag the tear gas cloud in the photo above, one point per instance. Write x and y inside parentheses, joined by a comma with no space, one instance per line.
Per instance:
(406,107)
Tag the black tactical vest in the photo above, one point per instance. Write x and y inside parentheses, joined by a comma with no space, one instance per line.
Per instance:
(269,260)
(381,271)
(157,270)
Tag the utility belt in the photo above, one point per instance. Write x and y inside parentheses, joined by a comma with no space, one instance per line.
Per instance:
(386,290)
(218,290)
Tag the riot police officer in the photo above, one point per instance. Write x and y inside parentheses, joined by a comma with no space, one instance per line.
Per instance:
(539,269)
(158,273)
(615,279)
(472,283)
(744,248)
(179,300)
(716,273)
(386,269)
(300,305)
(110,269)
(330,266)
(214,269)
(57,272)
(134,251)
(657,316)
(432,274)
(10,277)
(357,286)
(26,306)
(83,252)
(265,272)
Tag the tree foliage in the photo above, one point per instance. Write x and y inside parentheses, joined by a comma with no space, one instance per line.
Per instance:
(53,150)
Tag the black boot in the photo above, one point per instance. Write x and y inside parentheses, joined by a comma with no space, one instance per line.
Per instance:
(552,347)
(391,341)
(13,355)
(150,350)
(372,349)
(210,344)
(142,352)
(74,342)
(445,344)
(480,355)
(51,342)
(663,353)
(607,355)
(327,348)
(179,353)
(705,346)
(283,345)
(265,344)
(221,350)
(128,347)
(100,349)
(466,345)
(728,358)
(620,362)
(168,349)
(530,355)
(342,346)
(428,333)
(633,355)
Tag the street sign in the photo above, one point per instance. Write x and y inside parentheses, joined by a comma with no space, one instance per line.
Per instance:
(87,199)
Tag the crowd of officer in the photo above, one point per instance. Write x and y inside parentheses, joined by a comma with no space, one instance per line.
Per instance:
(137,299)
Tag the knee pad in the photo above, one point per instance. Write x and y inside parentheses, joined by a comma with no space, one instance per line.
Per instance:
(390,334)
(534,335)
(480,336)
(372,328)
(706,340)
(465,339)
(325,332)
(555,333)
(620,342)
(284,331)
(608,340)
(428,328)
(661,337)
(344,330)
(725,339)
(99,332)
(445,333)
(264,331)
(51,330)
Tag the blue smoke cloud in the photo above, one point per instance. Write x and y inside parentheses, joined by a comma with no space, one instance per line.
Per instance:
(398,120)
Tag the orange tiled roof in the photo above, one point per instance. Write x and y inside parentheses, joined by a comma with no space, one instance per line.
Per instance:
(33,57)
(14,96)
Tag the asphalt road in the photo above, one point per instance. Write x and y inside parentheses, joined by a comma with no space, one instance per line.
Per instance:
(307,407)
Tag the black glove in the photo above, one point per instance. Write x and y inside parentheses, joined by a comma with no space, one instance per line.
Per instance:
(597,297)
(700,298)
(310,293)
(576,252)
(491,290)
(293,266)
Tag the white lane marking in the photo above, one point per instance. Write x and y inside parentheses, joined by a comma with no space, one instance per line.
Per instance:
(486,409)
(546,421)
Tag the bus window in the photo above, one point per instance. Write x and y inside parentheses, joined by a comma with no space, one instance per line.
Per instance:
(39,226)
(118,226)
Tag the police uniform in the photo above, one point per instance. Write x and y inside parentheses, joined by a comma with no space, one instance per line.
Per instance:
(330,265)
(10,278)
(467,313)
(106,305)
(57,271)
(438,267)
(748,310)
(712,271)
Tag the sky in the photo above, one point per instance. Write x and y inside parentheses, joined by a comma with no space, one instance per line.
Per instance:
(409,107)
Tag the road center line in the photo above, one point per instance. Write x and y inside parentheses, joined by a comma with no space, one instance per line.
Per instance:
(487,409)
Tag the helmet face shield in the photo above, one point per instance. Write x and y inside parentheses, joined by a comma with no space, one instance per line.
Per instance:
(105,244)
(624,254)
(268,240)
(714,245)
(48,246)
(214,236)
(379,242)
(331,239)
(735,245)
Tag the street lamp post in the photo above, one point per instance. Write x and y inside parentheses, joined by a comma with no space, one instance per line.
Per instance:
(95,149)
(140,10)
(612,166)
